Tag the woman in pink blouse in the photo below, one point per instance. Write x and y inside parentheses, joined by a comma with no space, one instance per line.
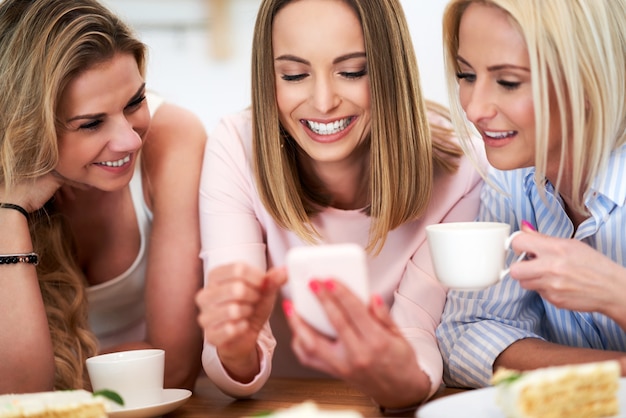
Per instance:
(338,147)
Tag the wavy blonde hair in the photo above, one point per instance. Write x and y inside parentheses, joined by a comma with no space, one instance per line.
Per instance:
(578,49)
(405,149)
(46,44)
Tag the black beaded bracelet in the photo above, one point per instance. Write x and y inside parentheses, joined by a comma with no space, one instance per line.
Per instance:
(28,258)
(15,207)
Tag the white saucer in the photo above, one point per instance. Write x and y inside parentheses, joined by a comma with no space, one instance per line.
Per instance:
(172,399)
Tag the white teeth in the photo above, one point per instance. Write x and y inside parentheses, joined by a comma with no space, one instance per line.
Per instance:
(328,128)
(117,163)
(499,135)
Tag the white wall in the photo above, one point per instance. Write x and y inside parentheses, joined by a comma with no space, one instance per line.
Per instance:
(424,18)
(182,69)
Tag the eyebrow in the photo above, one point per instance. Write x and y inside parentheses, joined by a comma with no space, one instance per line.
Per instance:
(498,67)
(338,60)
(139,92)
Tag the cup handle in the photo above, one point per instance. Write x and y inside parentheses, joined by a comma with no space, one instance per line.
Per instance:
(507,245)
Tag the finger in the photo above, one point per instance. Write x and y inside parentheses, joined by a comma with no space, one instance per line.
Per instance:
(348,314)
(237,291)
(237,271)
(225,333)
(275,278)
(310,347)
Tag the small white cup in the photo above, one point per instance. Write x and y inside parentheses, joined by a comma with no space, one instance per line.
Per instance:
(470,255)
(136,375)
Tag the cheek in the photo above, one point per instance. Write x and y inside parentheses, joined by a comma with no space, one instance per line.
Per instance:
(140,121)
(525,111)
(286,99)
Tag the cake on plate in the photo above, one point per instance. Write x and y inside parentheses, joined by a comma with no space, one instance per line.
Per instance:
(573,391)
(57,404)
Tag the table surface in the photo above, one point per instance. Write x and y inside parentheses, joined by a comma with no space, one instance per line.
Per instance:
(279,393)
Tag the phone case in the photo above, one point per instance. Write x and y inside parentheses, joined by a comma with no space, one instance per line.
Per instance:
(343,262)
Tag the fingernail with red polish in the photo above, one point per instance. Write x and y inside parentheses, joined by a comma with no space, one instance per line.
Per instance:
(330,285)
(287,308)
(528,225)
(314,285)
(378,300)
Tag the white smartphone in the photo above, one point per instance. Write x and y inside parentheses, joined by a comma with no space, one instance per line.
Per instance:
(345,263)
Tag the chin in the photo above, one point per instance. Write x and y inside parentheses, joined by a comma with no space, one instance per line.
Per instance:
(501,162)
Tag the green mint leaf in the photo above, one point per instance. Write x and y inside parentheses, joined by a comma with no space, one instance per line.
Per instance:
(109,394)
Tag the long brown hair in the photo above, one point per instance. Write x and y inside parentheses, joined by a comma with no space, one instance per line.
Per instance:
(405,149)
(46,44)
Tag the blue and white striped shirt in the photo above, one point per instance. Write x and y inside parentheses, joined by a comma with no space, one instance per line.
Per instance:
(478,325)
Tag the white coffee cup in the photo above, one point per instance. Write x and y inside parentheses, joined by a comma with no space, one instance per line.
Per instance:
(470,255)
(135,375)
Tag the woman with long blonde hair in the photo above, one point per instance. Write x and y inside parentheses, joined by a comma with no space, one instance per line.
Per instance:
(543,83)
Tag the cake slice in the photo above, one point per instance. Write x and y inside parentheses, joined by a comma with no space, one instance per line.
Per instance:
(573,391)
(57,404)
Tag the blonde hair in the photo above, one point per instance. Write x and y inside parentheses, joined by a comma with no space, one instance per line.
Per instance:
(46,44)
(403,154)
(577,49)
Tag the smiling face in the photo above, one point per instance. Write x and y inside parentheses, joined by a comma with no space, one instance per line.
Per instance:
(104,116)
(495,88)
(322,86)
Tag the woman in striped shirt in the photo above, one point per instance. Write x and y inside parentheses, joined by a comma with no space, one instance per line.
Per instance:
(543,83)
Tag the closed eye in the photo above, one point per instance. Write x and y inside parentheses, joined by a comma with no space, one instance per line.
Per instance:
(509,85)
(355,74)
(469,77)
(294,77)
(91,126)
(136,102)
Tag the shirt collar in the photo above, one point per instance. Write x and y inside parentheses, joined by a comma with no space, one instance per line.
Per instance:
(610,182)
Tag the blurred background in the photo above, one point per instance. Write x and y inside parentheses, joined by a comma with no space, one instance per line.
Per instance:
(199,50)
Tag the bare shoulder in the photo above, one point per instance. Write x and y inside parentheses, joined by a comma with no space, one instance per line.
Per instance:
(173,147)
(175,133)
(174,126)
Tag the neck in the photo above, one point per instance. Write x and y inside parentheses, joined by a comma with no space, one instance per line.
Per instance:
(347,182)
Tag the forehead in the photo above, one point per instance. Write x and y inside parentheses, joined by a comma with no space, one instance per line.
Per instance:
(490,32)
(327,24)
(106,85)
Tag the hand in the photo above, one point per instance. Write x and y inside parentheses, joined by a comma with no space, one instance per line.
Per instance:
(32,194)
(234,306)
(570,274)
(370,352)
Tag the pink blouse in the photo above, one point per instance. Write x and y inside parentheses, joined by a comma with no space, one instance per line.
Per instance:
(236,227)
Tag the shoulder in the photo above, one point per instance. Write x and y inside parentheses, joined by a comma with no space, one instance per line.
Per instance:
(237,124)
(232,134)
(172,122)
(174,145)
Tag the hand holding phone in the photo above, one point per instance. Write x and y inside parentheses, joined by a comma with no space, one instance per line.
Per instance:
(345,263)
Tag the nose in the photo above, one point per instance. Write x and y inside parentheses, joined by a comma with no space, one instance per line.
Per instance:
(479,103)
(124,138)
(324,95)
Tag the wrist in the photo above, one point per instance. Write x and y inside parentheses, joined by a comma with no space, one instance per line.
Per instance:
(14,235)
(12,206)
(243,367)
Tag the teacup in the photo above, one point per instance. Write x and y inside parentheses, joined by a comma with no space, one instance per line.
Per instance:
(470,255)
(135,375)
